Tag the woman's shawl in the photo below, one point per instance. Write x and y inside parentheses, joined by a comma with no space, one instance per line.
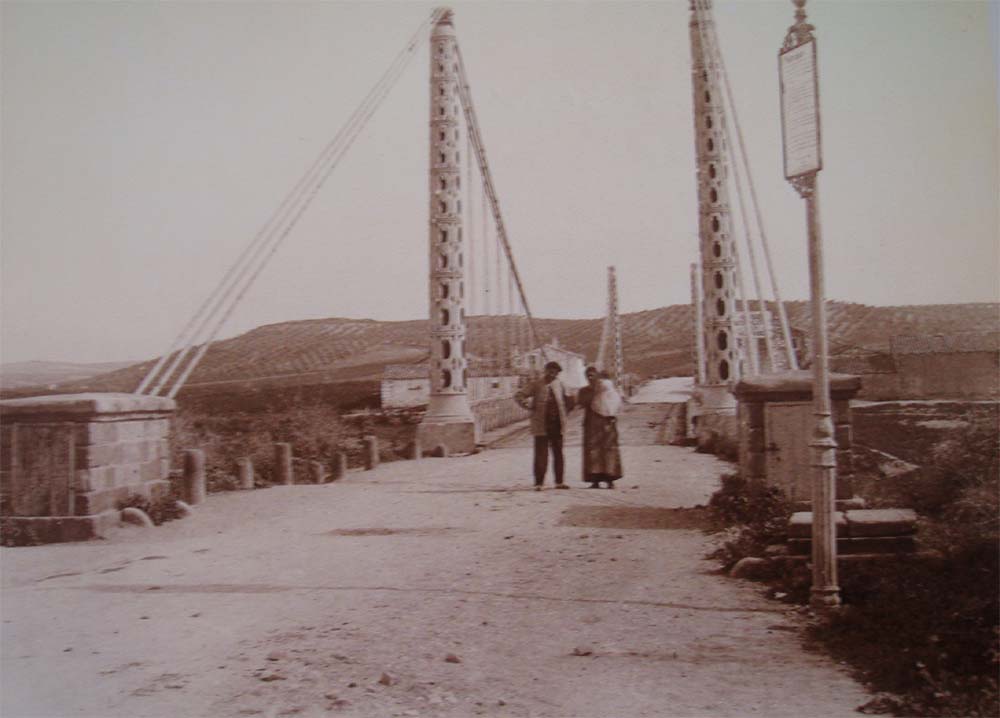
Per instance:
(606,401)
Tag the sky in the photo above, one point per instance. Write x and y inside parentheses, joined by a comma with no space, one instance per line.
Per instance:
(145,143)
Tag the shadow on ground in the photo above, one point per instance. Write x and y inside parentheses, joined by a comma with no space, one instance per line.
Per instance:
(636,517)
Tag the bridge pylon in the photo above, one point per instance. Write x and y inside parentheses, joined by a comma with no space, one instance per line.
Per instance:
(714,401)
(449,420)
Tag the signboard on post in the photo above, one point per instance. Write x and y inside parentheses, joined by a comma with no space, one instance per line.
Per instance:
(800,110)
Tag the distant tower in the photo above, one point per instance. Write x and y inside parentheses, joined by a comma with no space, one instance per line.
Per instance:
(617,367)
(717,250)
(449,420)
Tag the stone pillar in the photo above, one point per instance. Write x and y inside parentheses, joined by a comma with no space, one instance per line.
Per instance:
(339,465)
(449,418)
(316,472)
(244,468)
(783,403)
(283,464)
(194,476)
(67,460)
(617,366)
(371,452)
(716,247)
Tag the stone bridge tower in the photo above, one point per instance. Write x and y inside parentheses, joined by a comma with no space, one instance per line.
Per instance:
(449,420)
(717,250)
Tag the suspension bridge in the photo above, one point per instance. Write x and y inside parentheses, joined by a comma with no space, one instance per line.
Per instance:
(120,442)
(473,268)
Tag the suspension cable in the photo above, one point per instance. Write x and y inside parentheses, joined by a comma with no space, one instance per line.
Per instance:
(252,252)
(470,114)
(342,143)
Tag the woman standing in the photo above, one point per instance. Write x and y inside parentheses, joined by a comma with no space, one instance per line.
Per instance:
(602,461)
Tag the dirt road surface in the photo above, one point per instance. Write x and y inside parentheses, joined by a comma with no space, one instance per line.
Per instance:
(440,587)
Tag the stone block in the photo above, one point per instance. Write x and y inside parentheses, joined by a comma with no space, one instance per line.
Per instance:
(150,470)
(95,502)
(881,522)
(866,545)
(800,524)
(60,529)
(96,433)
(95,455)
(131,430)
(126,474)
(846,504)
(84,480)
(132,452)
(460,436)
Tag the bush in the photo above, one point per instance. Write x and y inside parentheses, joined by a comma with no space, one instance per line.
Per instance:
(316,431)
(923,629)
(752,516)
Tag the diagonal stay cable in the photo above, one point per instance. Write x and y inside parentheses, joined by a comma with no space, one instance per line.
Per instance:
(267,234)
(472,123)
(782,316)
(251,252)
(349,134)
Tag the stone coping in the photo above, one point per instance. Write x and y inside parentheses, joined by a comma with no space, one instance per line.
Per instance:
(75,405)
(859,523)
(793,383)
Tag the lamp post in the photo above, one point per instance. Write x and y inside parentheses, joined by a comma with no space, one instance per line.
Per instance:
(800,130)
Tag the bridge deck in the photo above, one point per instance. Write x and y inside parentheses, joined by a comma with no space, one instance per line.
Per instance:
(298,599)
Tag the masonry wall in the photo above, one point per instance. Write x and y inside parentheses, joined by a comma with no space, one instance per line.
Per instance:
(79,455)
(952,375)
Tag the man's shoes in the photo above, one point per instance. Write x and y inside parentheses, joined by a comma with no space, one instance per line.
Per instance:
(561,486)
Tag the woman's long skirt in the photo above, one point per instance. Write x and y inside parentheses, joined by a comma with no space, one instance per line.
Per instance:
(602,460)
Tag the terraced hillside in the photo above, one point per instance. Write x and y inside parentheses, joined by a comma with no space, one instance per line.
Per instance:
(655,342)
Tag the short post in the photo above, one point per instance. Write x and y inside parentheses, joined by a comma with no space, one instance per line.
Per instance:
(317,472)
(283,463)
(371,452)
(339,465)
(244,468)
(194,476)
(416,452)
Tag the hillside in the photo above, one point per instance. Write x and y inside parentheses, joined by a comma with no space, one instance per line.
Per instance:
(45,373)
(655,342)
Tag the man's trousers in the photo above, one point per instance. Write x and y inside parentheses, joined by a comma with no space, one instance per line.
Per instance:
(553,442)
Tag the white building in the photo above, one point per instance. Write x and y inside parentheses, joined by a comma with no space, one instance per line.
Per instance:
(406,386)
(573,364)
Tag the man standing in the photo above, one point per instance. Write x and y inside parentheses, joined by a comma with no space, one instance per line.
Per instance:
(549,403)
